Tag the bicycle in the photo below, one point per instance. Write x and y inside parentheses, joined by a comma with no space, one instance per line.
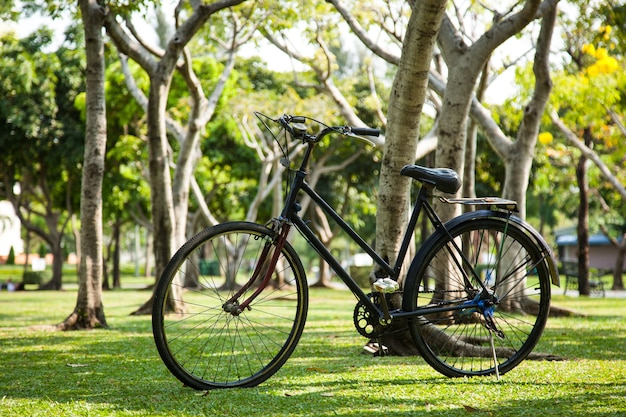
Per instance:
(476,296)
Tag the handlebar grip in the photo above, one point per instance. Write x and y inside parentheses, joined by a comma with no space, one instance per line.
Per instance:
(298,119)
(365,131)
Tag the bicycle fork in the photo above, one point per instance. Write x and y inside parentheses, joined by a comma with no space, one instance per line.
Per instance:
(265,263)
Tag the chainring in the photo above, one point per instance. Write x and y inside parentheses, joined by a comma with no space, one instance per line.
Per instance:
(367,323)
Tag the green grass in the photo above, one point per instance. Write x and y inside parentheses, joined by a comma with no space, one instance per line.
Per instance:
(117,372)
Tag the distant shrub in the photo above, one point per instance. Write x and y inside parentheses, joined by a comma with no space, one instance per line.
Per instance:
(11,257)
(32,277)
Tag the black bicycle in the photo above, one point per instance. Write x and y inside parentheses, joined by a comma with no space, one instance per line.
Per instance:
(231,304)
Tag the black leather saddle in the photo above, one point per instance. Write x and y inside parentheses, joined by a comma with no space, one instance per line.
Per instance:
(444,179)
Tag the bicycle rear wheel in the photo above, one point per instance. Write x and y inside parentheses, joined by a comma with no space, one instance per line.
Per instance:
(496,336)
(206,344)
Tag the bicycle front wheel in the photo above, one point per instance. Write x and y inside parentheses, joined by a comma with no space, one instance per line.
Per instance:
(203,340)
(461,338)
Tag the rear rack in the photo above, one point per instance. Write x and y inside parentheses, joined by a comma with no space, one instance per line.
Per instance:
(493,202)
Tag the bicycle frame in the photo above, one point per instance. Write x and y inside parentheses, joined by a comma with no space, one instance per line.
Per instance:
(290,214)
(464,301)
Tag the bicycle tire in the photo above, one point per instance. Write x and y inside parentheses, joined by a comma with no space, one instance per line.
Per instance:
(512,262)
(202,344)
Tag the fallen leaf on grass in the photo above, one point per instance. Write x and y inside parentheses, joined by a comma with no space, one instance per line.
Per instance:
(316,369)
(470,409)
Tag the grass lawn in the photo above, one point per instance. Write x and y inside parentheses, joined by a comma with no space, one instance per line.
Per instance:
(117,372)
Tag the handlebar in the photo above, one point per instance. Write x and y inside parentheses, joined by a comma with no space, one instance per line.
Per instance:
(296,126)
(365,131)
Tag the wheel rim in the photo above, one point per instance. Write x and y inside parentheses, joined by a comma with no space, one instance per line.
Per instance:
(460,343)
(206,346)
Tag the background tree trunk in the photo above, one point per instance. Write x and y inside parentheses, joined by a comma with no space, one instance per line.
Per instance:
(583,220)
(464,65)
(618,279)
(169,224)
(520,153)
(89,310)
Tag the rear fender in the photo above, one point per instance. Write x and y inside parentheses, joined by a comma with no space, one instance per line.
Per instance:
(505,215)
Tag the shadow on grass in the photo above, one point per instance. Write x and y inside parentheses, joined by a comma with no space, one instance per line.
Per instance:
(597,338)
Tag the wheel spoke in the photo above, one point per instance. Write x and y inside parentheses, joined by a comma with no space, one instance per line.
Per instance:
(513,305)
(203,344)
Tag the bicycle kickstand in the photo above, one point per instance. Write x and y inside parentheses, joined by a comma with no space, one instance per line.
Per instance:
(493,330)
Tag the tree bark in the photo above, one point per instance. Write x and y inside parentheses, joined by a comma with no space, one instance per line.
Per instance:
(464,65)
(520,153)
(618,268)
(169,204)
(583,220)
(618,280)
(89,310)
(408,94)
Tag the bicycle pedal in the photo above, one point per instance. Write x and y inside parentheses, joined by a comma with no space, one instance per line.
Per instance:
(386,285)
(375,349)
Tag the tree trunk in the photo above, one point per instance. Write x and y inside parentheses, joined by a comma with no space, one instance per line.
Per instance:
(469,170)
(323,275)
(583,221)
(464,65)
(117,226)
(163,217)
(520,153)
(56,281)
(408,93)
(89,310)
(618,270)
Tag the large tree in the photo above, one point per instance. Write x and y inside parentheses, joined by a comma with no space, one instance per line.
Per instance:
(89,310)
(170,205)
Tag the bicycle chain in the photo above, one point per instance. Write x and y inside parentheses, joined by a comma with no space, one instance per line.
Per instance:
(368,324)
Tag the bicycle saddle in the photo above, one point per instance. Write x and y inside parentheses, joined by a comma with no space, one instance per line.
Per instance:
(445,179)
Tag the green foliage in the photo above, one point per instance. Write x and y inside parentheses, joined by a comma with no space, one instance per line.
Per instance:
(8,10)
(33,277)
(42,133)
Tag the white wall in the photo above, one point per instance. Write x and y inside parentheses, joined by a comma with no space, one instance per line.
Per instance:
(10,227)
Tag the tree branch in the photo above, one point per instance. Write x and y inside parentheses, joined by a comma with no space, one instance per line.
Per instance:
(589,153)
(543,84)
(127,45)
(360,32)
(172,126)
